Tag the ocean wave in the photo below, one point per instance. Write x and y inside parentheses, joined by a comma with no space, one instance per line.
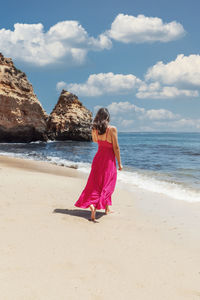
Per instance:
(146,180)
(81,166)
(17,155)
(172,189)
(191,153)
(42,142)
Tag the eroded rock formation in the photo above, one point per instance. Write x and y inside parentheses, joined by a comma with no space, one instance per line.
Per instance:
(70,119)
(22,118)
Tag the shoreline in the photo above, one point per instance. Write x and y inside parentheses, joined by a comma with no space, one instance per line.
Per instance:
(147,249)
(141,179)
(39,166)
(158,205)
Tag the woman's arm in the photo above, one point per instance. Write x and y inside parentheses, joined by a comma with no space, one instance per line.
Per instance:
(94,136)
(116,146)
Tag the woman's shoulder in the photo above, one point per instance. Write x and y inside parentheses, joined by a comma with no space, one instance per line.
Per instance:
(112,128)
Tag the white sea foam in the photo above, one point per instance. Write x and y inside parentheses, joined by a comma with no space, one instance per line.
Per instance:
(81,166)
(171,189)
(148,182)
(17,155)
(40,142)
(130,179)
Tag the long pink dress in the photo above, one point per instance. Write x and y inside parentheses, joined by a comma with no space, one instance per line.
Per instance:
(102,179)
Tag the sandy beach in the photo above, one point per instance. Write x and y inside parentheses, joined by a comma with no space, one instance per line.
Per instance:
(148,249)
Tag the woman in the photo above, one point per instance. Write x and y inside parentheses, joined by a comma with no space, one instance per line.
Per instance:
(102,179)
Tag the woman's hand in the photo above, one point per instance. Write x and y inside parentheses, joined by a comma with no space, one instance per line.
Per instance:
(120,167)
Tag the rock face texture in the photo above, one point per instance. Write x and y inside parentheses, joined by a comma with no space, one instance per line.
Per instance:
(22,118)
(70,120)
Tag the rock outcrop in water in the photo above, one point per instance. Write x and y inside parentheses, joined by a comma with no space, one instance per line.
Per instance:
(22,118)
(70,120)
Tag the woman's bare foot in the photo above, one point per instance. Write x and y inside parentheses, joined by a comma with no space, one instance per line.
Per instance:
(93,212)
(107,210)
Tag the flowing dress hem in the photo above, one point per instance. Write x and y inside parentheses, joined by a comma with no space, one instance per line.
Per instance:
(96,205)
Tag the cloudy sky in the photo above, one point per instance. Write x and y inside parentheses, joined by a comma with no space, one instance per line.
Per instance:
(140,58)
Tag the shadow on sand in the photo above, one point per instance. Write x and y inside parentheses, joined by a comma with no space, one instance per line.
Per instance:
(78,213)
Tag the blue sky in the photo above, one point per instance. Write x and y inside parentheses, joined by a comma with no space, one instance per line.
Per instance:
(139,58)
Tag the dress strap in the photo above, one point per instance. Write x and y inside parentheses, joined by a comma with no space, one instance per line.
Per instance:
(107,129)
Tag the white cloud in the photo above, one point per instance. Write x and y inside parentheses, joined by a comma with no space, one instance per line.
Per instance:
(61,85)
(68,39)
(161,114)
(182,124)
(30,43)
(156,91)
(184,70)
(140,29)
(110,83)
(195,123)
(116,108)
(100,43)
(104,83)
(70,31)
(127,108)
(129,117)
(127,123)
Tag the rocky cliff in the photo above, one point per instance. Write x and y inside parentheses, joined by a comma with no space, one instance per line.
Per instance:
(22,118)
(70,119)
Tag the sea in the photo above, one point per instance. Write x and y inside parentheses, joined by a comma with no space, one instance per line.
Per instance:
(167,163)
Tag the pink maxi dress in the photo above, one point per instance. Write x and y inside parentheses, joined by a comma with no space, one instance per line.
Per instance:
(102,179)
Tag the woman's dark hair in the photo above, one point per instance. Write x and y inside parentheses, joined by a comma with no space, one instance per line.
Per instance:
(101,120)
